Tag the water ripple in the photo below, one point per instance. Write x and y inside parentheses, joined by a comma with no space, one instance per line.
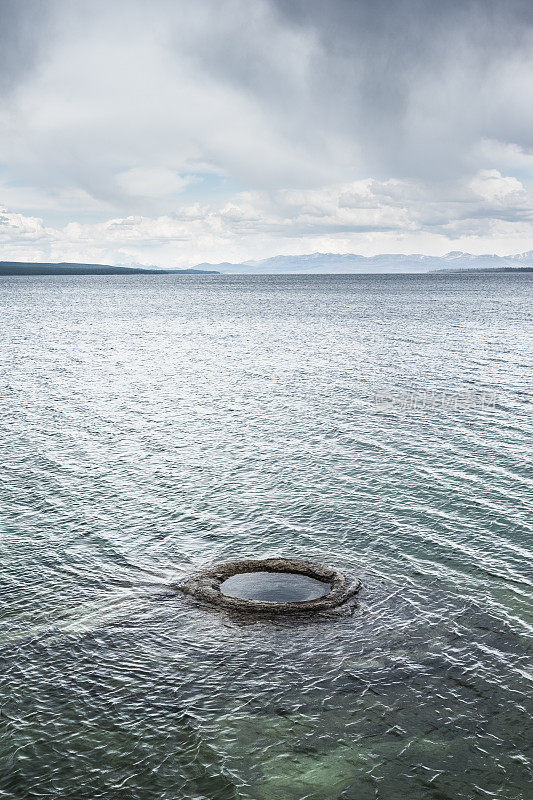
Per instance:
(152,426)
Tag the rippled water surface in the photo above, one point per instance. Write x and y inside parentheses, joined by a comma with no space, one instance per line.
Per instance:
(153,425)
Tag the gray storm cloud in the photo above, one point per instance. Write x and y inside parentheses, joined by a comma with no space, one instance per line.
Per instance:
(122,108)
(419,84)
(386,88)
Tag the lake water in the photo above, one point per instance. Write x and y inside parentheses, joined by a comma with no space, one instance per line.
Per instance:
(154,425)
(274,587)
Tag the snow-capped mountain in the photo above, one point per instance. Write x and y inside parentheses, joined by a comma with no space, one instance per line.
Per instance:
(336,263)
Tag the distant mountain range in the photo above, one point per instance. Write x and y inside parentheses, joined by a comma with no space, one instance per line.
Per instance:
(315,263)
(335,263)
(68,268)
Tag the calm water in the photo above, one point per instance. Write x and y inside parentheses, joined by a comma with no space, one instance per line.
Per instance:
(274,587)
(151,426)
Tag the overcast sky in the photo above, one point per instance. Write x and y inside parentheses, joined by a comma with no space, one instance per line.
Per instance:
(171,133)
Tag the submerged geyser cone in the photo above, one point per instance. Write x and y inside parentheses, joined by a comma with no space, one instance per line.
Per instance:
(272,585)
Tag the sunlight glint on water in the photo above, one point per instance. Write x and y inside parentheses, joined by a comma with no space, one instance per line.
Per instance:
(152,426)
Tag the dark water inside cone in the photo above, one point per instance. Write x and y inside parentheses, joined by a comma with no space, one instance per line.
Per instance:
(275,587)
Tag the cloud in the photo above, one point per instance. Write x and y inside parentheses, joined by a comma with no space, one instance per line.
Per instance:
(284,120)
(16,228)
(360,216)
(492,185)
(23,35)
(140,182)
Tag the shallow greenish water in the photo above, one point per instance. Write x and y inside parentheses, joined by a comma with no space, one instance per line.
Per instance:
(154,425)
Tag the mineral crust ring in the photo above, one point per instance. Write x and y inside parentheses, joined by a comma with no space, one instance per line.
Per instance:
(205,586)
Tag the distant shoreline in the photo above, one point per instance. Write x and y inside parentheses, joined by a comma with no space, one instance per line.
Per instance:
(13,268)
(478,270)
(29,268)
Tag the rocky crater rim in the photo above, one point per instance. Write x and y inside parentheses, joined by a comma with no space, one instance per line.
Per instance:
(206,586)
